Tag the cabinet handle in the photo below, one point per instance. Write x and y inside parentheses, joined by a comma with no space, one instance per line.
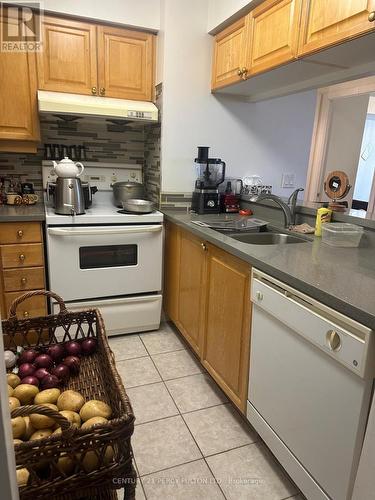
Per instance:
(204,247)
(371,17)
(21,257)
(333,340)
(242,72)
(20,233)
(93,90)
(102,91)
(23,281)
(26,314)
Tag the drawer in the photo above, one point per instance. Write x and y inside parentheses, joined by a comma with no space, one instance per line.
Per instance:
(22,255)
(20,232)
(30,308)
(29,278)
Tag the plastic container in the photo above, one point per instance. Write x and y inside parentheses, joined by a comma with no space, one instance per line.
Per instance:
(341,234)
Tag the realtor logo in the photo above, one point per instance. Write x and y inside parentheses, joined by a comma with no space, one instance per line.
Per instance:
(21,26)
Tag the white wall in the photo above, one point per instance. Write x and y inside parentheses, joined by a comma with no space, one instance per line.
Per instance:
(139,13)
(220,10)
(265,138)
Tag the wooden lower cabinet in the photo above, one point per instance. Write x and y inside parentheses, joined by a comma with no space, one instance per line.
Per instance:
(226,342)
(207,297)
(22,267)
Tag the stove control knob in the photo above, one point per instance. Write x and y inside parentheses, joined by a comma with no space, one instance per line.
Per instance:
(211,203)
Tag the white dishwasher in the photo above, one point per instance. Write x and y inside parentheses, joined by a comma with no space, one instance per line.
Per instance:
(310,385)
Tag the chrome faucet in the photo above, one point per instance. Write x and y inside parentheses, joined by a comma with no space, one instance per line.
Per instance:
(289,208)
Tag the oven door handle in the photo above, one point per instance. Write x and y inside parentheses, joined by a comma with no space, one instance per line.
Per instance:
(100,232)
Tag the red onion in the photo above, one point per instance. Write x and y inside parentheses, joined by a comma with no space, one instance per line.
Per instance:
(25,370)
(49,382)
(56,352)
(30,380)
(27,356)
(43,361)
(72,362)
(41,373)
(72,348)
(61,371)
(89,346)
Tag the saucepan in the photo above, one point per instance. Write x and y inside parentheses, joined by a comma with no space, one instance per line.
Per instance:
(138,206)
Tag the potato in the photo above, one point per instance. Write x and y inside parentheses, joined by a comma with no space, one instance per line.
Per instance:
(39,421)
(13,380)
(29,428)
(40,434)
(57,431)
(91,461)
(22,476)
(18,427)
(17,441)
(10,390)
(14,403)
(47,396)
(72,416)
(93,421)
(70,400)
(65,464)
(25,393)
(95,408)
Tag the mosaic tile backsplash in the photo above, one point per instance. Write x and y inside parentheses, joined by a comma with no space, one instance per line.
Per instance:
(103,141)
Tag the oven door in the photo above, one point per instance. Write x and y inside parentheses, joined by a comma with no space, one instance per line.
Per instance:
(98,261)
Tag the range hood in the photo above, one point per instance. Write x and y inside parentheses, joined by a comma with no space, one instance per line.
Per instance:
(100,107)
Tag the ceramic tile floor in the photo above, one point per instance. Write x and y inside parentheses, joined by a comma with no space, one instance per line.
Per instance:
(189,442)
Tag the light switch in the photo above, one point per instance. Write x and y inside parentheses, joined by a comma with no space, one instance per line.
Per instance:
(287,180)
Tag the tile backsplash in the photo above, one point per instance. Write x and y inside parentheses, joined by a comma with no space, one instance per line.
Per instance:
(117,142)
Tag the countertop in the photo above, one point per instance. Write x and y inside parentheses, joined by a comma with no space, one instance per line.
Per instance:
(32,213)
(342,278)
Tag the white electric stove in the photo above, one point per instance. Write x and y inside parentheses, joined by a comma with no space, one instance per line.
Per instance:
(107,259)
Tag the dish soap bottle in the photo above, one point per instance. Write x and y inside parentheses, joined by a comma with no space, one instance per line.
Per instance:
(323,215)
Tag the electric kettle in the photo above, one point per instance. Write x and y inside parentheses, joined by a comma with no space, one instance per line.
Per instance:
(67,168)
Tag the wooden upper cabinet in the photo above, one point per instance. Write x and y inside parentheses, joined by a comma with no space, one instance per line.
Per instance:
(19,125)
(229,54)
(125,63)
(326,23)
(68,62)
(274,30)
(227,323)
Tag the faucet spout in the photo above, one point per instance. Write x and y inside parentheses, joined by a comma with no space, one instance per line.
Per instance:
(289,208)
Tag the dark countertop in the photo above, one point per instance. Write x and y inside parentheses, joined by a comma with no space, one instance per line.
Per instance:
(342,278)
(32,213)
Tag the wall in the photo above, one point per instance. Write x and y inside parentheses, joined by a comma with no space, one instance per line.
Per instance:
(139,13)
(220,10)
(264,138)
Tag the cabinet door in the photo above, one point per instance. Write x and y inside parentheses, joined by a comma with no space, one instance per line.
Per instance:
(18,105)
(68,60)
(126,63)
(171,271)
(227,323)
(274,30)
(229,54)
(327,23)
(191,286)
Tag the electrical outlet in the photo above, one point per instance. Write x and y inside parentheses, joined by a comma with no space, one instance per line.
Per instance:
(287,180)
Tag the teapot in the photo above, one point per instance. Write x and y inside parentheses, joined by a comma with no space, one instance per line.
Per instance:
(67,168)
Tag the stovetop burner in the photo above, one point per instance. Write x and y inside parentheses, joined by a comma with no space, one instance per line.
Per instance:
(126,212)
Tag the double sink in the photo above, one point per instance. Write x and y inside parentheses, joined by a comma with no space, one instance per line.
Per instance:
(271,236)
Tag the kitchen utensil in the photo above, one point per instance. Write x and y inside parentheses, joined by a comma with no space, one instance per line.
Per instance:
(30,199)
(73,153)
(56,152)
(211,173)
(231,224)
(27,188)
(68,196)
(14,199)
(138,206)
(126,190)
(48,155)
(81,152)
(88,192)
(67,168)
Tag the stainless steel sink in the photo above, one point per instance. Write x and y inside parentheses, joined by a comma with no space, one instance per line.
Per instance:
(268,238)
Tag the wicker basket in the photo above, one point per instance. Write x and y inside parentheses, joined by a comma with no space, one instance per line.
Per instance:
(98,379)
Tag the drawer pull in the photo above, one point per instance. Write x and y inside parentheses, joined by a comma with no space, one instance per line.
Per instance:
(20,233)
(333,340)
(371,17)
(26,314)
(22,257)
(23,281)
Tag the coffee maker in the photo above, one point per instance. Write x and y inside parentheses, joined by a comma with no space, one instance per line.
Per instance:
(68,196)
(211,173)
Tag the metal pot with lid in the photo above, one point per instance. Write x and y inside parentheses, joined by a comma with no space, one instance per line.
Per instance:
(126,190)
